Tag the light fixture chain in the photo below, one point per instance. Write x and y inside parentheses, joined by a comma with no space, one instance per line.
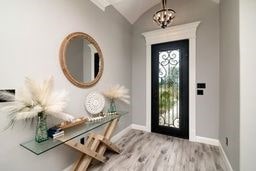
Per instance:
(164,4)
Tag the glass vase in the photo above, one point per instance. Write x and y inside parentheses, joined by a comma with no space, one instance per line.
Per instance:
(41,128)
(112,106)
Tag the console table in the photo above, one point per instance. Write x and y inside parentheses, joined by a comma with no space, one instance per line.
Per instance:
(94,147)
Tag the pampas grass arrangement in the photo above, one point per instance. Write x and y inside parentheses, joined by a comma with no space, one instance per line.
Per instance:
(35,99)
(118,92)
(114,93)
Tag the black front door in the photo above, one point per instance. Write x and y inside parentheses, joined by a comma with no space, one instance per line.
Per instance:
(170,86)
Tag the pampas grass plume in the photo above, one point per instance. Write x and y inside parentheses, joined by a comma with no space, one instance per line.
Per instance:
(118,92)
(35,98)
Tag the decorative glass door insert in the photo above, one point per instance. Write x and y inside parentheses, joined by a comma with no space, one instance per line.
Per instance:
(169,88)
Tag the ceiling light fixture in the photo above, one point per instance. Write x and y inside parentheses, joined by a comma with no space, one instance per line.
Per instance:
(165,16)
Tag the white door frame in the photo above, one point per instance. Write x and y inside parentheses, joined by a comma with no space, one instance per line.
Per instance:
(173,33)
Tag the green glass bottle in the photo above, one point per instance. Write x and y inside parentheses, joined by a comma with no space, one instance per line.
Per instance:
(112,106)
(41,128)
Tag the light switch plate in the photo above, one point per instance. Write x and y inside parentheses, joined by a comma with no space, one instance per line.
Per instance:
(201,85)
(200,92)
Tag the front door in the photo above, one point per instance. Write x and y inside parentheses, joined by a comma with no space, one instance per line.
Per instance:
(170,88)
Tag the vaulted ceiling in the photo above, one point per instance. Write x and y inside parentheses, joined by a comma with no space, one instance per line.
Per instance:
(130,9)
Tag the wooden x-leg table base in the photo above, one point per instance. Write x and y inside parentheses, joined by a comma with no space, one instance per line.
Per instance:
(95,147)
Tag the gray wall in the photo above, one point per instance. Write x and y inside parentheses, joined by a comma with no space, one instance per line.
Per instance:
(31,35)
(207,115)
(247,85)
(229,80)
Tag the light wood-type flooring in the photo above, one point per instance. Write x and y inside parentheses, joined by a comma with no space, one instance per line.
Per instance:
(143,151)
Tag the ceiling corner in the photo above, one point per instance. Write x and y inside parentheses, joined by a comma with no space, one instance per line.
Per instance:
(102,4)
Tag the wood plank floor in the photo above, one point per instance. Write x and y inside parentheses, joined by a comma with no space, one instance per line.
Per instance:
(142,151)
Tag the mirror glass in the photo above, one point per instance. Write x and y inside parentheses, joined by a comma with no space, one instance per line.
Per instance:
(81,59)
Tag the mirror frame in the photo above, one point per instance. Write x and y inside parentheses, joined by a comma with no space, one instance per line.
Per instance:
(62,58)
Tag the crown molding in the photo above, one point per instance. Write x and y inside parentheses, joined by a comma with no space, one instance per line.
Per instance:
(163,35)
(102,4)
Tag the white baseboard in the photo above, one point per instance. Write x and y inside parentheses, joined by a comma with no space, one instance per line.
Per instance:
(209,141)
(126,130)
(225,158)
(139,127)
(215,142)
(69,168)
(121,133)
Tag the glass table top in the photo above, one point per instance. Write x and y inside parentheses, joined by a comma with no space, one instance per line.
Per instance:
(69,134)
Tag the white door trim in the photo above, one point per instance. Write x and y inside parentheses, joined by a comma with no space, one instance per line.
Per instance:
(180,32)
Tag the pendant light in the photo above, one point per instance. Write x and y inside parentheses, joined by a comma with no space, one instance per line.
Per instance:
(165,16)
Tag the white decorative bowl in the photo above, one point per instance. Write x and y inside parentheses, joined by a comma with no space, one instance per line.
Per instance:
(94,103)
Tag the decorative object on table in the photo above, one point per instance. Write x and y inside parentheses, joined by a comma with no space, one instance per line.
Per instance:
(55,132)
(110,113)
(57,135)
(37,101)
(165,16)
(41,128)
(96,119)
(94,103)
(116,92)
(74,122)
(112,106)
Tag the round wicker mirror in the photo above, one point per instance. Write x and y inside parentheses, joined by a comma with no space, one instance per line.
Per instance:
(81,59)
